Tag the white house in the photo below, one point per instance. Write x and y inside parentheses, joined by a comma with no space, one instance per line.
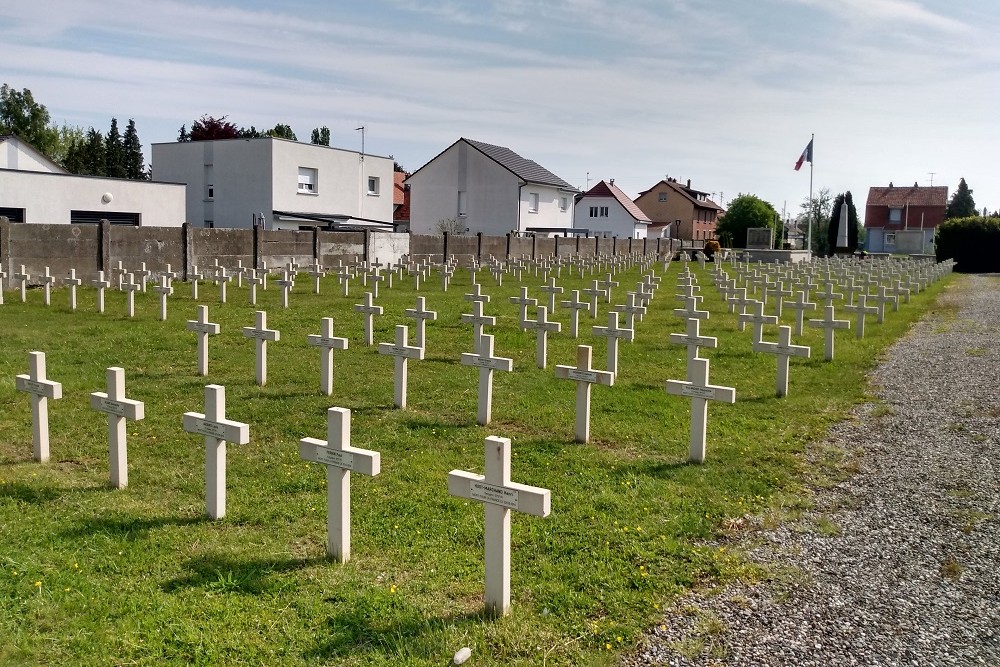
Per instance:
(35,189)
(489,189)
(605,210)
(284,184)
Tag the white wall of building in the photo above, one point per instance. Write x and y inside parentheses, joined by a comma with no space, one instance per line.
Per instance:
(48,198)
(250,177)
(618,222)
(15,154)
(555,207)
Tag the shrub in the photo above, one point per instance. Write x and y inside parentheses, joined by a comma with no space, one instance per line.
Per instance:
(711,247)
(973,242)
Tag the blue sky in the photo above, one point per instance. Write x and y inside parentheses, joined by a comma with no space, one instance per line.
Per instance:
(724,92)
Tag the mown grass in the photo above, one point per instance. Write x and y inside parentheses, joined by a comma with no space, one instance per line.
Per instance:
(92,575)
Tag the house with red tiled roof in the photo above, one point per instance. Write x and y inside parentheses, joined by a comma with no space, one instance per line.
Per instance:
(903,219)
(491,189)
(679,211)
(604,210)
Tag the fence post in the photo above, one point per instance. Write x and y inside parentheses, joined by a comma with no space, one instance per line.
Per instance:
(5,262)
(104,243)
(479,247)
(444,247)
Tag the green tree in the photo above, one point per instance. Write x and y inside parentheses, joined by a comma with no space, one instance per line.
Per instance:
(962,205)
(744,212)
(93,156)
(249,133)
(321,136)
(818,210)
(114,152)
(833,223)
(281,131)
(135,168)
(183,135)
(67,135)
(22,116)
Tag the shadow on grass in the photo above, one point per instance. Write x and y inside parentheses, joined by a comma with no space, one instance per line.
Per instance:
(131,528)
(230,575)
(26,493)
(386,624)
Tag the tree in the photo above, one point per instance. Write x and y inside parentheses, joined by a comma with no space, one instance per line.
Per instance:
(833,223)
(114,152)
(398,167)
(321,136)
(134,167)
(208,128)
(281,131)
(93,154)
(182,134)
(817,210)
(21,116)
(962,205)
(249,133)
(449,226)
(744,212)
(66,136)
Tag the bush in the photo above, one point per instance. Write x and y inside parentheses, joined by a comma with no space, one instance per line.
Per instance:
(973,242)
(711,247)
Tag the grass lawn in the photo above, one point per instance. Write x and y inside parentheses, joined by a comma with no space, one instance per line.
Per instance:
(93,575)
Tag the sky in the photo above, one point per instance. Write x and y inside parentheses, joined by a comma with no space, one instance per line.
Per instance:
(726,93)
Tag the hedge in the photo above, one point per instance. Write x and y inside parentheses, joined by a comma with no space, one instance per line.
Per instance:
(973,242)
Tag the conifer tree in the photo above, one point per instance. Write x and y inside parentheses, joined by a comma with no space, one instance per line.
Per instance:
(962,205)
(321,136)
(135,168)
(114,152)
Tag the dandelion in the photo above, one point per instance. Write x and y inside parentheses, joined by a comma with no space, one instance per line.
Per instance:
(392,588)
(607,646)
(38,584)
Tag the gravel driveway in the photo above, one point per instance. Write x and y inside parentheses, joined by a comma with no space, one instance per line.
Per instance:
(899,564)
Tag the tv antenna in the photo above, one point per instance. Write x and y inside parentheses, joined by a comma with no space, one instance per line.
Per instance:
(362,130)
(932,177)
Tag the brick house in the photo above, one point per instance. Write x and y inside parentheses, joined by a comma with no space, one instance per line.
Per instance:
(679,211)
(903,219)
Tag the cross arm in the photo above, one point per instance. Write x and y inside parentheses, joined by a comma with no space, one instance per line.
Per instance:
(125,407)
(363,461)
(46,388)
(235,432)
(521,497)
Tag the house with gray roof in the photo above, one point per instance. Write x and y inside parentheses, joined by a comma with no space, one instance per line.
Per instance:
(489,189)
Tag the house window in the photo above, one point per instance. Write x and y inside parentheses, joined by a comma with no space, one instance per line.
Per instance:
(563,203)
(896,215)
(373,185)
(307,181)
(12,214)
(210,191)
(890,238)
(593,211)
(463,197)
(662,196)
(532,202)
(604,212)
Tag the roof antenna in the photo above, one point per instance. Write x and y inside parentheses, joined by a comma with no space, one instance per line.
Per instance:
(362,129)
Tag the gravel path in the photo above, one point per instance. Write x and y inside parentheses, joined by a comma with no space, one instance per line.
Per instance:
(900,563)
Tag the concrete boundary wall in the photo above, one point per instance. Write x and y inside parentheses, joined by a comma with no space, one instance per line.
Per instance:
(93,248)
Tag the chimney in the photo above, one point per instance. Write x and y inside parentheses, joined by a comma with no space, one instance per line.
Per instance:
(915,184)
(611,182)
(689,182)
(890,184)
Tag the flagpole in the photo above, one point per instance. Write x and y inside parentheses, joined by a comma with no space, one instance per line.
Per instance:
(812,204)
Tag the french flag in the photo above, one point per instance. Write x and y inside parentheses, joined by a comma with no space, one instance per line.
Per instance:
(807,156)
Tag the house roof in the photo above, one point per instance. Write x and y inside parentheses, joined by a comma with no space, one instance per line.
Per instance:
(898,197)
(525,169)
(24,146)
(689,193)
(604,189)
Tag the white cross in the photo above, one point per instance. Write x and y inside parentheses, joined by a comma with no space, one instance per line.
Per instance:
(478,320)
(595,293)
(72,282)
(239,272)
(327,344)
(486,363)
(899,292)
(262,335)
(756,317)
(41,389)
(575,305)
(552,289)
(700,392)
(778,291)
(369,310)
(421,315)
(523,301)
(222,279)
(130,287)
(194,277)
(253,280)
(690,310)
(477,294)
(118,408)
(403,353)
(613,333)
(542,327)
(632,310)
(47,281)
(164,290)
(316,271)
(203,328)
(784,350)
(585,376)
(217,431)
(340,458)
(882,298)
(800,305)
(739,302)
(500,496)
(606,285)
(119,272)
(286,284)
(344,276)
(694,341)
(101,284)
(827,295)
(860,310)
(830,324)
(143,274)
